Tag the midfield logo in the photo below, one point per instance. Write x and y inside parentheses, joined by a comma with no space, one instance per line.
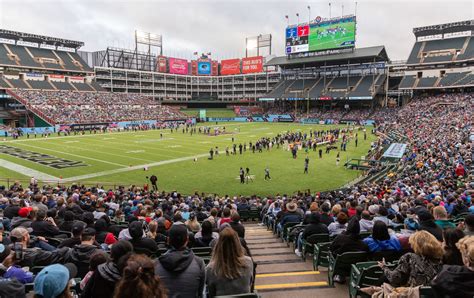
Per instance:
(44,159)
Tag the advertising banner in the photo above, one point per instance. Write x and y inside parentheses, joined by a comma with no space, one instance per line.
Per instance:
(396,150)
(230,67)
(252,64)
(161,64)
(77,79)
(54,76)
(204,67)
(178,66)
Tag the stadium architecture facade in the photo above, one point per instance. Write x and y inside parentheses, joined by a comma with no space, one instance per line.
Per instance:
(340,75)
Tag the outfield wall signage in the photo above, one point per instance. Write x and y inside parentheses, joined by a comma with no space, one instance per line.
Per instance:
(40,158)
(396,150)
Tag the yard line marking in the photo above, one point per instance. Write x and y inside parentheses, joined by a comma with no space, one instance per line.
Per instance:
(133,168)
(135,151)
(76,155)
(26,171)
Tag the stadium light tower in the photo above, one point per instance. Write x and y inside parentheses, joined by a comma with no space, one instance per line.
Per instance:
(258,42)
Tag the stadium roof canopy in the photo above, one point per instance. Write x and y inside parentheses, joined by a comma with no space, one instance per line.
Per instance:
(41,39)
(359,55)
(444,28)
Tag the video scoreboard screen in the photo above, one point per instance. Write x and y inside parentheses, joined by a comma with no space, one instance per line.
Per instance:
(321,35)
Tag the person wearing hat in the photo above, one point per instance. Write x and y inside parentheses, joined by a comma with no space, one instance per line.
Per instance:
(81,254)
(182,273)
(24,218)
(77,229)
(53,281)
(36,256)
(289,216)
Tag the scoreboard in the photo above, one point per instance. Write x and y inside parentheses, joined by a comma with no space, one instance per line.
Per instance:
(297,39)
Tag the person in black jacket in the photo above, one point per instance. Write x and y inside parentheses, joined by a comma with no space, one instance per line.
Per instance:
(44,226)
(140,242)
(68,222)
(348,241)
(457,281)
(77,230)
(36,256)
(326,218)
(314,227)
(427,223)
(106,276)
(237,225)
(81,254)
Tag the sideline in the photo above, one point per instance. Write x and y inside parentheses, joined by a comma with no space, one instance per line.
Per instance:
(133,168)
(26,171)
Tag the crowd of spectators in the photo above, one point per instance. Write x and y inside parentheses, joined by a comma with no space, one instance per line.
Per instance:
(69,107)
(128,242)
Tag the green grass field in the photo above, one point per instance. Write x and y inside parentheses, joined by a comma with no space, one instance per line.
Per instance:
(318,42)
(119,158)
(213,113)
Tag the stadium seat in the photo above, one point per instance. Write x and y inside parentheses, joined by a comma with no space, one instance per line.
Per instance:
(321,255)
(308,243)
(364,274)
(341,264)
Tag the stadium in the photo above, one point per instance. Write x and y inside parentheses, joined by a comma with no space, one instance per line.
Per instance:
(312,164)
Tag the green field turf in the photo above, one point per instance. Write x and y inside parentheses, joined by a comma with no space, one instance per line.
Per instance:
(119,158)
(213,113)
(320,42)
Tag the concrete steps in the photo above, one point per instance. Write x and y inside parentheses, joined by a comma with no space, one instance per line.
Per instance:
(280,273)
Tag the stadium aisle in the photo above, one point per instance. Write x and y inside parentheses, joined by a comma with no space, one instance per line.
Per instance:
(280,273)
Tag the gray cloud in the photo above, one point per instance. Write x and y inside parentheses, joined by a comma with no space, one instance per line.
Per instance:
(221,26)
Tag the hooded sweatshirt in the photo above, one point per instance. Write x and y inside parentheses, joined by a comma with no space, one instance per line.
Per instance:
(182,273)
(454,281)
(80,256)
(102,282)
(11,288)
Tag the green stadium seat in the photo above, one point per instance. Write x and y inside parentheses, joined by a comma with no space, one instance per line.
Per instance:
(308,243)
(341,264)
(285,229)
(364,274)
(290,236)
(321,255)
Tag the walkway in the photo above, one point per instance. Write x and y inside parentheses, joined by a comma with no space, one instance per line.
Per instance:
(280,273)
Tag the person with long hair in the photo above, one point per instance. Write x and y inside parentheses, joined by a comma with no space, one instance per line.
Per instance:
(452,255)
(102,282)
(230,272)
(139,279)
(454,280)
(381,240)
(419,267)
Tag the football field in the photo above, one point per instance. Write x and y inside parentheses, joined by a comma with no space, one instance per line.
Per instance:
(319,39)
(179,160)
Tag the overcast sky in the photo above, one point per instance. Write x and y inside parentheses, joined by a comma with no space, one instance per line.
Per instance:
(222,26)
